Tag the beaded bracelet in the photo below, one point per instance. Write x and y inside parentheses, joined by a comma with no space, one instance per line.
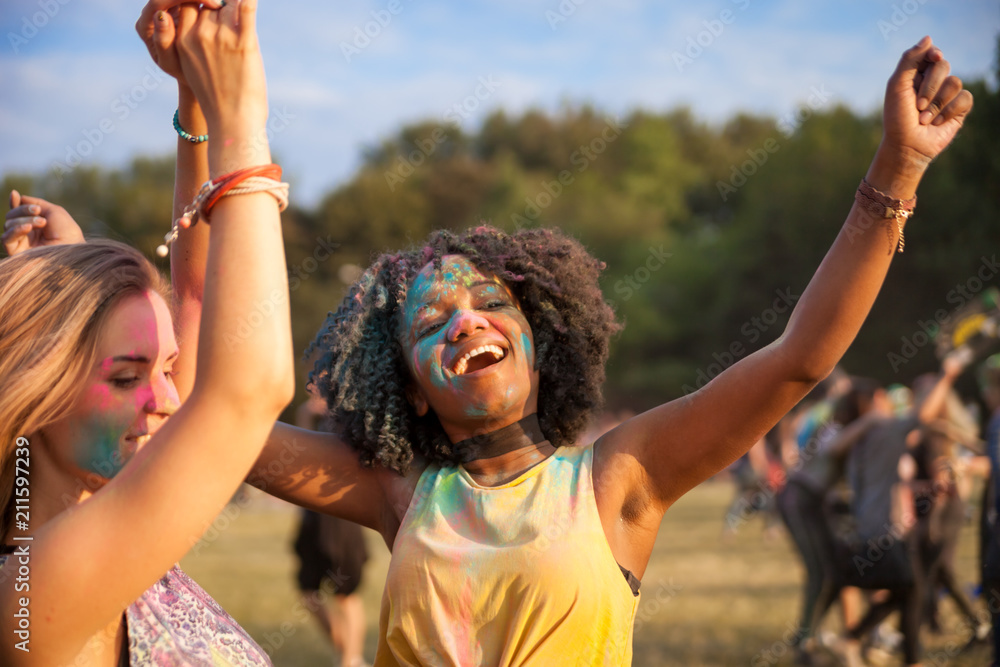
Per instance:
(884,206)
(184,134)
(263,178)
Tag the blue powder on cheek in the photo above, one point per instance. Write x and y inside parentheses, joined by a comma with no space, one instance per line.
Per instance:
(98,451)
(424,358)
(437,379)
(475,411)
(526,346)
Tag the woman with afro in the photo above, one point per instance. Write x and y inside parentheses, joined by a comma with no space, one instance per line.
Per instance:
(459,373)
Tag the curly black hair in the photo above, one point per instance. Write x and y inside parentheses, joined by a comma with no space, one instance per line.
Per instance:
(361,373)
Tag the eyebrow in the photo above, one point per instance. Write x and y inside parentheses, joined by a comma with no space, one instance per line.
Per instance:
(131,358)
(140,359)
(495,282)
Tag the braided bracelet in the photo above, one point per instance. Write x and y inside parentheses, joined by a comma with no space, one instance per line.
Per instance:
(884,206)
(187,135)
(263,178)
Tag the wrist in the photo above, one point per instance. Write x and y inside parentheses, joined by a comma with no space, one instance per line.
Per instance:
(189,111)
(235,146)
(897,171)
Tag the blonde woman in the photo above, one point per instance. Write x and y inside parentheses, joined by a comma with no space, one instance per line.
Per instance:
(114,454)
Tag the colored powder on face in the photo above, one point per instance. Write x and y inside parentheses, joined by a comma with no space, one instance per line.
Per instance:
(97,448)
(96,445)
(424,299)
(528,351)
(475,411)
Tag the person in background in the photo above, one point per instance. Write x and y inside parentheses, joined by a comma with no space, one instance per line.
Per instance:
(882,470)
(989,382)
(940,509)
(332,552)
(804,505)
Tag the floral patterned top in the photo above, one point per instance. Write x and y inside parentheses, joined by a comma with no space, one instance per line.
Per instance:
(176,623)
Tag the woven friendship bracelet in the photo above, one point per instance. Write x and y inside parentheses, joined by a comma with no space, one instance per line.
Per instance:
(201,138)
(883,206)
(263,178)
(222,185)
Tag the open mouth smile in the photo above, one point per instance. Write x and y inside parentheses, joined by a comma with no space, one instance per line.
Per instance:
(478,358)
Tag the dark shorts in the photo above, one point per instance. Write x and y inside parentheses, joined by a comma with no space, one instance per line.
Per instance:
(332,549)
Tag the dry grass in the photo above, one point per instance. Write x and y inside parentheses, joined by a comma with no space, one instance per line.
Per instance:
(705,601)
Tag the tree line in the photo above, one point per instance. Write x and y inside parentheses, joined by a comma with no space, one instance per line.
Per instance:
(710,232)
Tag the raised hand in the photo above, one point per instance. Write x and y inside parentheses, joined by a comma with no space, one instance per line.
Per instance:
(220,59)
(33,222)
(956,361)
(924,105)
(157,27)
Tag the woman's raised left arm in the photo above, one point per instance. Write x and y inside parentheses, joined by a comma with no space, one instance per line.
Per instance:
(657,456)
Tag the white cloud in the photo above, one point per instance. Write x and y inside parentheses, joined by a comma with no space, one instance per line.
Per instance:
(617,56)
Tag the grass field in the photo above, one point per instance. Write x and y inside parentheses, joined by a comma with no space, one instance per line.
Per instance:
(706,601)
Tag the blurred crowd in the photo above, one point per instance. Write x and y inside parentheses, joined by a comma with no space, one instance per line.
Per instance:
(874,485)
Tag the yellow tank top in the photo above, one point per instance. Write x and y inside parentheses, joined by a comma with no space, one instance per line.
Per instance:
(518,574)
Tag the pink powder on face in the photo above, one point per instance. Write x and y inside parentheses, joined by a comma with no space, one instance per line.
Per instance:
(98,396)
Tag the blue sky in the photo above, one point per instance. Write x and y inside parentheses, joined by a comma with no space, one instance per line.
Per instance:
(76,79)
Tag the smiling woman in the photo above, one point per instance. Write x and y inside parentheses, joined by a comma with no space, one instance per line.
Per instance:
(534,296)
(458,375)
(92,379)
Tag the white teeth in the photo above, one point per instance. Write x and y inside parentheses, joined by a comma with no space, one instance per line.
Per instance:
(142,440)
(462,364)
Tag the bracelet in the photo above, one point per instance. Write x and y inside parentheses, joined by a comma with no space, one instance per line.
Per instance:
(263,178)
(224,185)
(186,135)
(884,206)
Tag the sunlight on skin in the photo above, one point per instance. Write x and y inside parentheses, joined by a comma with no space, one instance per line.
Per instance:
(447,313)
(128,395)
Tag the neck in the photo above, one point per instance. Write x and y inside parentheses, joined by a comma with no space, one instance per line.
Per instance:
(53,490)
(501,455)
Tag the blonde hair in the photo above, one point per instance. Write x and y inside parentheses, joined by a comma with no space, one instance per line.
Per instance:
(53,305)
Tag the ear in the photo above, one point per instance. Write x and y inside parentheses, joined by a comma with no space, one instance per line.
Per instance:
(417,400)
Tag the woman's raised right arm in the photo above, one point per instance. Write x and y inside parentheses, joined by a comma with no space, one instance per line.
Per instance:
(92,560)
(308,468)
